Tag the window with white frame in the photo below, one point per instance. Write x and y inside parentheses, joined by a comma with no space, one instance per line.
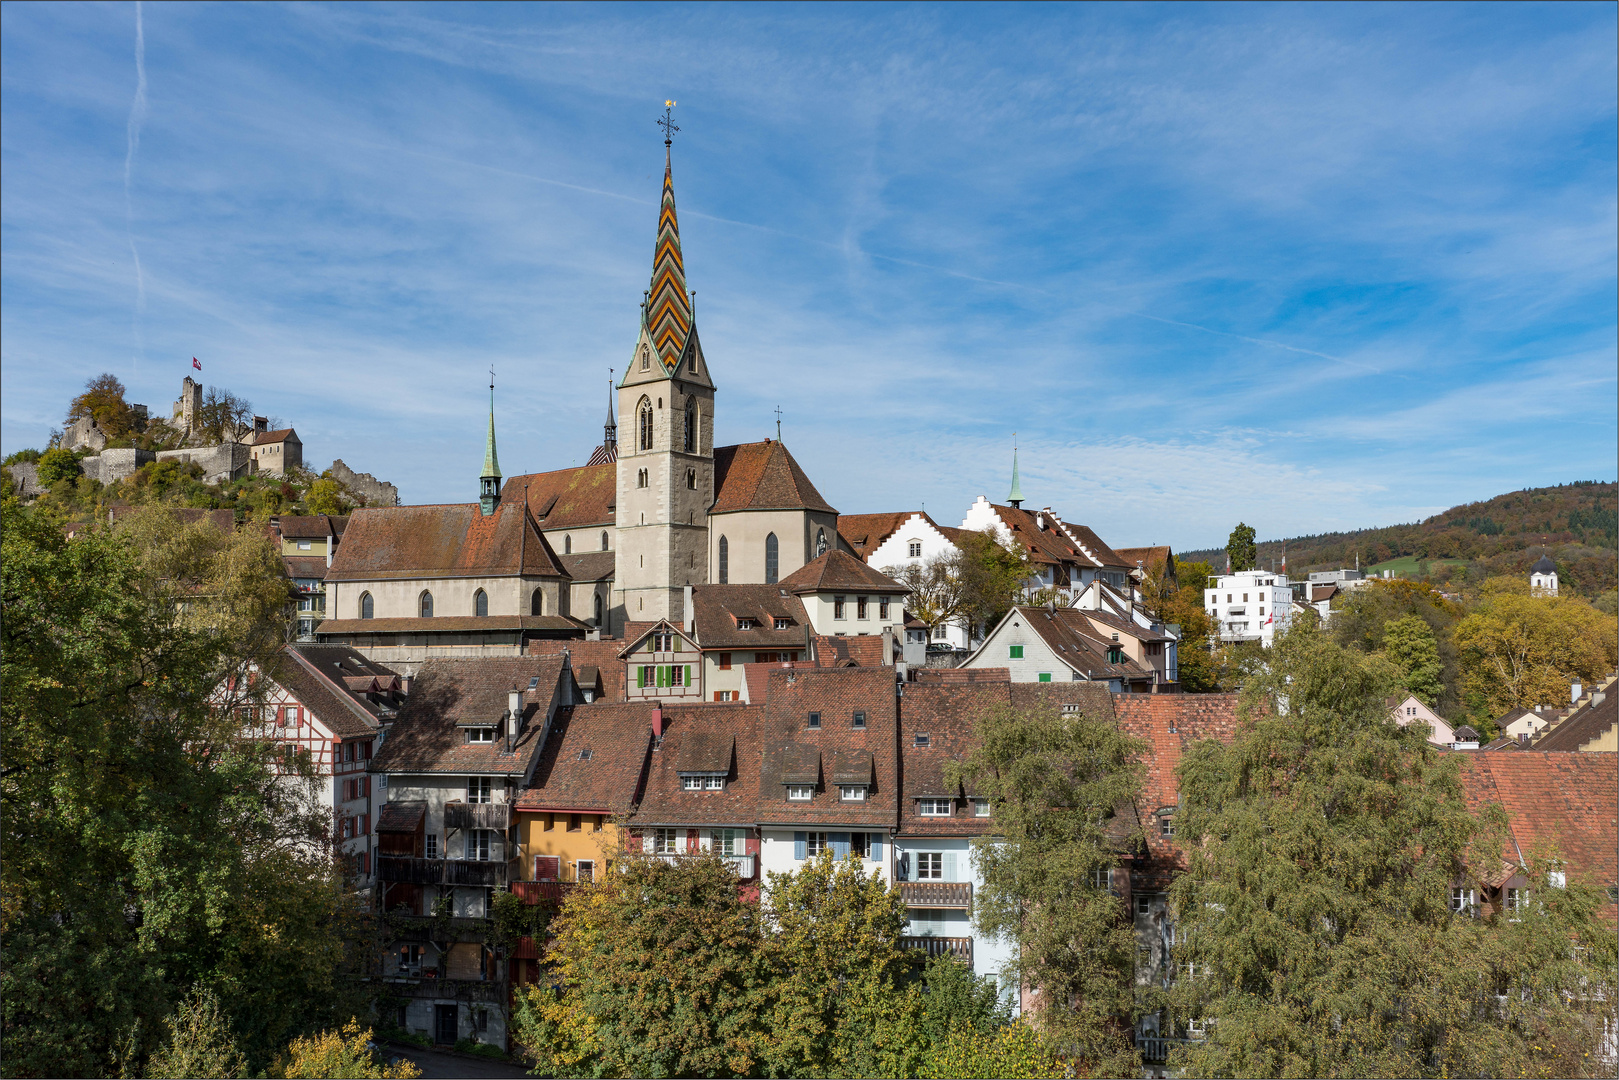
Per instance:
(713,783)
(1102,879)
(479,844)
(691,783)
(929,866)
(584,870)
(800,792)
(1461,899)
(814,844)
(914,549)
(478,789)
(730,842)
(980,808)
(664,841)
(1516,899)
(480,734)
(933,807)
(852,793)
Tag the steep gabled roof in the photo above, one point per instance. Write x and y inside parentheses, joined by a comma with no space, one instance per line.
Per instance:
(1582,726)
(762,476)
(865,533)
(719,610)
(594,760)
(567,498)
(792,749)
(838,571)
(279,435)
(340,686)
(698,735)
(445,541)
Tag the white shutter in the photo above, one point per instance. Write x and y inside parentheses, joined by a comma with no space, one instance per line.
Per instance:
(950,866)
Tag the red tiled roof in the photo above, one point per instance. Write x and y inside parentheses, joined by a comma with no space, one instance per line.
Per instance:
(594,761)
(1581,726)
(762,476)
(317,676)
(1569,801)
(446,694)
(1077,643)
(278,435)
(947,714)
(567,498)
(719,609)
(692,734)
(836,694)
(862,650)
(305,566)
(1168,723)
(1147,556)
(445,541)
(865,533)
(590,565)
(305,526)
(963,675)
(838,571)
(600,655)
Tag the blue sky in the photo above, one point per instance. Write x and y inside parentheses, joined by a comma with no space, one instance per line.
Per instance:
(1313,267)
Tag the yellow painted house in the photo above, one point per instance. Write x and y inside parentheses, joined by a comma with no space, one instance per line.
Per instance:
(589,775)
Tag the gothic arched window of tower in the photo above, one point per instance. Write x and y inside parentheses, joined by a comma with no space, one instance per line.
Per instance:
(646,425)
(646,358)
(691,425)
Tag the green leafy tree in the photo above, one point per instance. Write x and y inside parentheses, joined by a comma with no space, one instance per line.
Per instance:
(1056,782)
(1409,644)
(325,496)
(201,1043)
(1242,549)
(1199,644)
(1361,618)
(1012,1052)
(150,851)
(832,945)
(340,1055)
(1519,651)
(992,576)
(659,972)
(1315,934)
(57,465)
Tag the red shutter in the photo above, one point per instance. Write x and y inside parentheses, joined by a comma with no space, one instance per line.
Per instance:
(691,840)
(547,867)
(367,782)
(365,824)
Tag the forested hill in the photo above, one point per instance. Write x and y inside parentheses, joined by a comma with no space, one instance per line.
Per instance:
(1576,524)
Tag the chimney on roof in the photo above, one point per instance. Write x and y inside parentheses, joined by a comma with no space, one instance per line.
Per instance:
(685,600)
(514,715)
(657,720)
(1574,692)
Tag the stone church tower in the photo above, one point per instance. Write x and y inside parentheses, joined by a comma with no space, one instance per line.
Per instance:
(665,443)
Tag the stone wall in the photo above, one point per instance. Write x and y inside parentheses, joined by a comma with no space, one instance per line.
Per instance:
(364,486)
(220,464)
(25,479)
(84,432)
(111,466)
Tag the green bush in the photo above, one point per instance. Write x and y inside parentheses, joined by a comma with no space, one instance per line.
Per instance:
(57,465)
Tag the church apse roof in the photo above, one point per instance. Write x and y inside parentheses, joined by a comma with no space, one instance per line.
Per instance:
(762,476)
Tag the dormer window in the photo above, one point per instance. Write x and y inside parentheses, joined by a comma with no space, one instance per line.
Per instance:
(480,734)
(783,624)
(852,792)
(934,807)
(860,721)
(815,720)
(800,792)
(745,623)
(702,783)
(663,642)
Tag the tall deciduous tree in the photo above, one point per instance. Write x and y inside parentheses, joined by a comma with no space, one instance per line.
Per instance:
(1409,644)
(1055,781)
(1361,618)
(938,589)
(103,400)
(1316,935)
(992,575)
(1519,651)
(149,851)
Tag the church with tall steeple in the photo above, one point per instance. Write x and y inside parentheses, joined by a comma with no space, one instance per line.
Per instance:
(657,508)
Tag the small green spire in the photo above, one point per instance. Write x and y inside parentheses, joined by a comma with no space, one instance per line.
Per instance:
(489,482)
(1016,497)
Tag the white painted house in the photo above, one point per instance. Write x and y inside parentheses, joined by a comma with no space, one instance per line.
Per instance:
(1252,605)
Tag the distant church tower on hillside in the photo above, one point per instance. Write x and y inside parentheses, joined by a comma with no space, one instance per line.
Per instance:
(666,447)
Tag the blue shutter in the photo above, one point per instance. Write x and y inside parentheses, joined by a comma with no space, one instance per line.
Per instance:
(877,847)
(950,866)
(840,844)
(799,842)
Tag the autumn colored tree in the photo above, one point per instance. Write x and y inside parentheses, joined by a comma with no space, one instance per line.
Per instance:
(993,576)
(342,1055)
(1519,651)
(1362,617)
(1055,781)
(325,496)
(1315,934)
(57,465)
(1199,668)
(103,400)
(201,1043)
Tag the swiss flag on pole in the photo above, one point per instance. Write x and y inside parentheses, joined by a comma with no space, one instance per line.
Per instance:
(196,363)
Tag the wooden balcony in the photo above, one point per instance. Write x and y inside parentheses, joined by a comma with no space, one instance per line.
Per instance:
(1155,1049)
(959,947)
(937,894)
(430,928)
(541,892)
(472,872)
(472,990)
(398,868)
(461,815)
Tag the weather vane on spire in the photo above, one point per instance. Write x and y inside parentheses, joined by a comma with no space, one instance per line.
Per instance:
(667,123)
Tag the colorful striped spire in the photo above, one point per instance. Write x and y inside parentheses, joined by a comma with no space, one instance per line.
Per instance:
(669,309)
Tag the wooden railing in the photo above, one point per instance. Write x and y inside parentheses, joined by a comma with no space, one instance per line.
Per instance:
(535,892)
(473,872)
(937,894)
(959,947)
(461,815)
(1156,1048)
(397,868)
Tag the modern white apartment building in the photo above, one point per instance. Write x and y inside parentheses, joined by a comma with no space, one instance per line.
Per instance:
(1250,606)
